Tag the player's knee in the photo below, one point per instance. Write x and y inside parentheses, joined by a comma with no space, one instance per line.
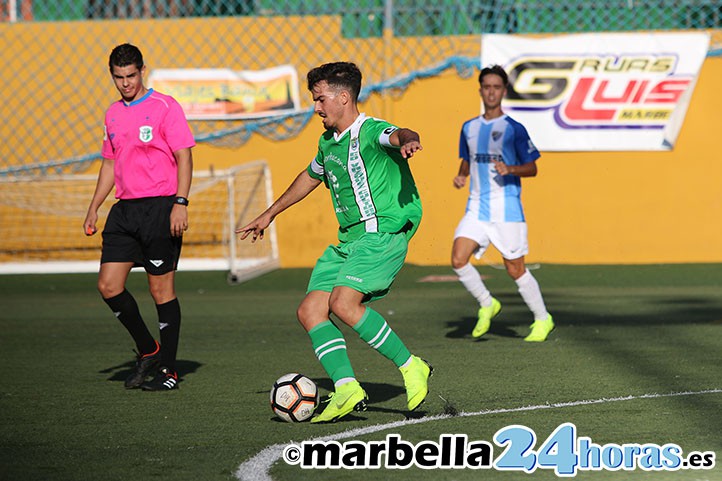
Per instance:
(340,307)
(457,262)
(459,259)
(109,289)
(162,294)
(307,314)
(515,271)
(302,313)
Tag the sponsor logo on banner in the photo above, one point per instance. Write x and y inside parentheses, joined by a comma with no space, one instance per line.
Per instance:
(219,94)
(599,91)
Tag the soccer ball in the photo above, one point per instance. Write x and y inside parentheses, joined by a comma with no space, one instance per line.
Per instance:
(294,397)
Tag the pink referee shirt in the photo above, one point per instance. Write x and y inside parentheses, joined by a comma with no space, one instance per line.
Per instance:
(141,138)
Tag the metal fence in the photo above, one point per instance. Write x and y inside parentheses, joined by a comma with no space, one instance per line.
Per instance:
(412,17)
(55,83)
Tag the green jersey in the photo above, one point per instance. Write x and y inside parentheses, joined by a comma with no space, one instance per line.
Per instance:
(371,185)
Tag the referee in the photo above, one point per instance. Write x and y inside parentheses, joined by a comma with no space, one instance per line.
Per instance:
(147,157)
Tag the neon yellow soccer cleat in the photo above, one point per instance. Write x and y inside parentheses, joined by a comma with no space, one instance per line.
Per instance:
(485,316)
(347,398)
(416,380)
(540,330)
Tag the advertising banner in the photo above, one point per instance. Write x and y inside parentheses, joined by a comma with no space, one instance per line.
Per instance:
(603,91)
(213,94)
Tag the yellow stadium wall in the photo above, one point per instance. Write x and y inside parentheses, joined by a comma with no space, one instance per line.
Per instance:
(591,207)
(602,207)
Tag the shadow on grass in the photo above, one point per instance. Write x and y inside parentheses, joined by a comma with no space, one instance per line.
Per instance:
(120,372)
(462,330)
(349,418)
(647,310)
(611,326)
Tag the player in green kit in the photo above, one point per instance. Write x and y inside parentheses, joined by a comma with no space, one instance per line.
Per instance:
(363,162)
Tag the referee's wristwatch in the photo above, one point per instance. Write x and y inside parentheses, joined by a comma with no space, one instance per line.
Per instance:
(181,201)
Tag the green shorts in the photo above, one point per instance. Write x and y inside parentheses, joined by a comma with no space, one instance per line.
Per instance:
(368,265)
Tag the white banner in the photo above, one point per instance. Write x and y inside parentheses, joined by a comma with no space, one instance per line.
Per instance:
(599,91)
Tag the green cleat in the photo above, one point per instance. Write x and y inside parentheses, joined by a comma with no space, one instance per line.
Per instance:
(485,316)
(348,397)
(416,380)
(540,330)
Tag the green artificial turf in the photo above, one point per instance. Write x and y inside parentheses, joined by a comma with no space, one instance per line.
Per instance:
(633,339)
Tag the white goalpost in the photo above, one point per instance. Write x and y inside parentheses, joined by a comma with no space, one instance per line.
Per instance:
(41,223)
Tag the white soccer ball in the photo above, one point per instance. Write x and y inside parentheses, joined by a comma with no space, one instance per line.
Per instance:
(294,397)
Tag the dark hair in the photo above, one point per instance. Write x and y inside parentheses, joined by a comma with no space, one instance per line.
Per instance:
(337,74)
(495,69)
(124,55)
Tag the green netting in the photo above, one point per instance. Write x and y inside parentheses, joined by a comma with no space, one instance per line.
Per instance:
(412,17)
(56,86)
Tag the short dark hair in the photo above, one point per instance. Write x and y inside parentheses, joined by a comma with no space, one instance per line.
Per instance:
(337,74)
(497,70)
(124,55)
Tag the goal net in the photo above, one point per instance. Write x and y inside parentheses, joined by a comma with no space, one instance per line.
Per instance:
(42,232)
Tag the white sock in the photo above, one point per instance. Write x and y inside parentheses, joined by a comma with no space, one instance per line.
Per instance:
(344,380)
(470,278)
(530,292)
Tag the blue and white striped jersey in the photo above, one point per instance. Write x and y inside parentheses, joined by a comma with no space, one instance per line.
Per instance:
(493,197)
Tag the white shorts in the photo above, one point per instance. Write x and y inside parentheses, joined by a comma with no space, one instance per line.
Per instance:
(510,238)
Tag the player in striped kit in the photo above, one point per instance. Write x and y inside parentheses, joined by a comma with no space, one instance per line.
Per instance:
(363,162)
(495,152)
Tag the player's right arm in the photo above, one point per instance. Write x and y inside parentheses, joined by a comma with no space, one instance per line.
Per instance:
(106,181)
(303,185)
(460,179)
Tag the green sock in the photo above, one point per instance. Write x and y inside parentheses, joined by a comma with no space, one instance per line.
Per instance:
(376,332)
(330,348)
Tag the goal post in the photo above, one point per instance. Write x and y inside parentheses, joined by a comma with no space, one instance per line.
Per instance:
(251,192)
(41,223)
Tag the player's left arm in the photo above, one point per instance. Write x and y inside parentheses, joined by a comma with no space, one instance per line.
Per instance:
(179,214)
(407,141)
(526,153)
(524,170)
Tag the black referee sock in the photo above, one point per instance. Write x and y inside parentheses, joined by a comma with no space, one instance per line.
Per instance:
(126,310)
(169,320)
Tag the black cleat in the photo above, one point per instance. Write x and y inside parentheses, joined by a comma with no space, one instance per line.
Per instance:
(164,380)
(144,367)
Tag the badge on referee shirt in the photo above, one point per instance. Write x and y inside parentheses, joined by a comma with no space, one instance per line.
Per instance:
(146,133)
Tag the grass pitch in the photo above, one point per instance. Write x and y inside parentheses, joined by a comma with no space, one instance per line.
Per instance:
(631,338)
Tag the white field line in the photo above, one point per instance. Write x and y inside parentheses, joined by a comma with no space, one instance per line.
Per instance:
(257,467)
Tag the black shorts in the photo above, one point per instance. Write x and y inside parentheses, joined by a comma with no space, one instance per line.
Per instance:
(138,231)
